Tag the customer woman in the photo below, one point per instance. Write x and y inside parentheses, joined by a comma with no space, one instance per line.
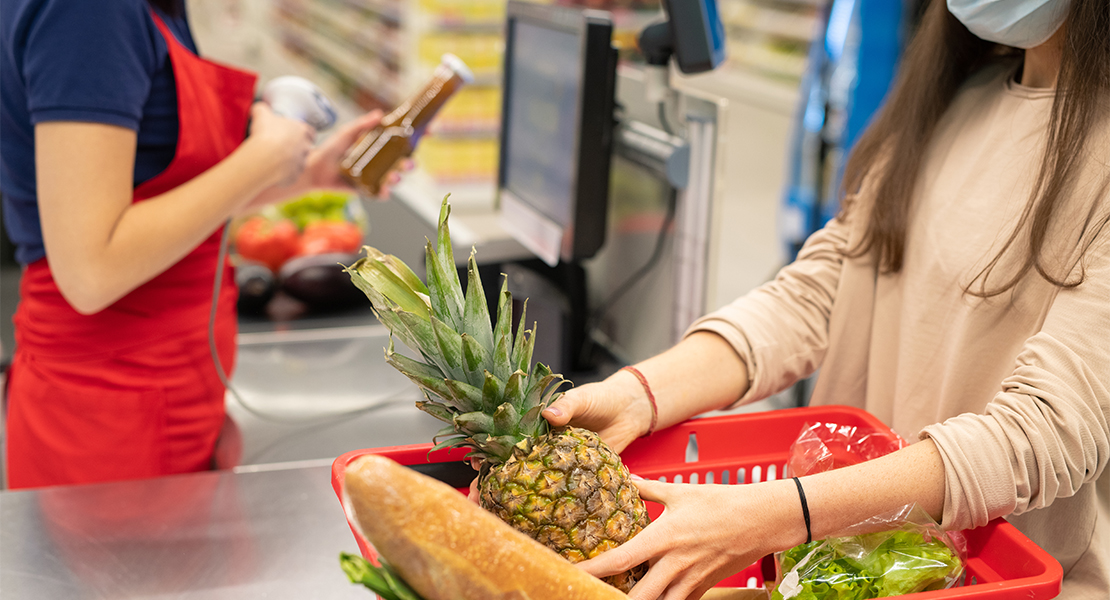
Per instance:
(123,155)
(962,296)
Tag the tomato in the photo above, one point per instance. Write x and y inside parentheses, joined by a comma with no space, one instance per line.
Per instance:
(268,242)
(322,237)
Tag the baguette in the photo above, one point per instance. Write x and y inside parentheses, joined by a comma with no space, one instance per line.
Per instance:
(448,548)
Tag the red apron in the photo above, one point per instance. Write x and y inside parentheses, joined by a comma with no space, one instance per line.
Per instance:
(131,391)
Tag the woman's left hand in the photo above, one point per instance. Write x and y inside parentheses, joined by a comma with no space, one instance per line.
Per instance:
(706,533)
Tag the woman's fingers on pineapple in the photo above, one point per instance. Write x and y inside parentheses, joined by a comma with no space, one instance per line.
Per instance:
(472,495)
(645,546)
(670,579)
(619,559)
(596,407)
(695,543)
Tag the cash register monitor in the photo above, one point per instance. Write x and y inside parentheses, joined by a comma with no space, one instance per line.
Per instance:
(556,129)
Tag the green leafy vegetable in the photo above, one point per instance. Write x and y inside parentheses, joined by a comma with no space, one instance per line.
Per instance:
(383,580)
(888,563)
(315,206)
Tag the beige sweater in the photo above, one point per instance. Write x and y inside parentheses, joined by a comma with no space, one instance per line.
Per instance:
(1014,390)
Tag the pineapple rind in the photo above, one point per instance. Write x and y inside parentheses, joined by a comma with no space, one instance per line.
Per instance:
(550,492)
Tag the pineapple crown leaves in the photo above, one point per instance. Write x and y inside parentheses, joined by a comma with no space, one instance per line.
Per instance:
(475,374)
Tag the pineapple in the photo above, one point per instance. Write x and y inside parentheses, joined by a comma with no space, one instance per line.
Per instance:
(563,486)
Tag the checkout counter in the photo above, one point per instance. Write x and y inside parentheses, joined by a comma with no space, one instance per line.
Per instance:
(255,532)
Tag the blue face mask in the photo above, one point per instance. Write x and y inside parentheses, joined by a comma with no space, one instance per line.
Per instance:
(1017,23)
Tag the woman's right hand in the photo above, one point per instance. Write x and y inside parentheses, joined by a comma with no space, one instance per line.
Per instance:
(285,143)
(617,409)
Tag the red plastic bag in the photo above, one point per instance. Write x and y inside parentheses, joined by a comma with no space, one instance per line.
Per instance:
(823,447)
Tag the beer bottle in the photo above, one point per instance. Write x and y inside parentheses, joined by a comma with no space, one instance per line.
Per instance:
(375,154)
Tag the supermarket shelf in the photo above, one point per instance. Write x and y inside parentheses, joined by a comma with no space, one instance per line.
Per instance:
(388,9)
(771,38)
(775,23)
(359,72)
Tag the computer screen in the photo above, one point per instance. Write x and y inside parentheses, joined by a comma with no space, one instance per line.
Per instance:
(542,124)
(556,129)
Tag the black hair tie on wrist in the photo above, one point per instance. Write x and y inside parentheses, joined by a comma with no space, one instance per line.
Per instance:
(805,509)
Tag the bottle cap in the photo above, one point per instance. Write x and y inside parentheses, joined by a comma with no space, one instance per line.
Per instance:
(458,66)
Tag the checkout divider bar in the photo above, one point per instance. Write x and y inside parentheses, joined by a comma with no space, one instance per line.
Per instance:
(262,338)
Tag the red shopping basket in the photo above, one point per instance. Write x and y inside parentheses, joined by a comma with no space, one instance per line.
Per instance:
(749,448)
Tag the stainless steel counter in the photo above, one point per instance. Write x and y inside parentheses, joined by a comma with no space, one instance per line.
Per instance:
(273,533)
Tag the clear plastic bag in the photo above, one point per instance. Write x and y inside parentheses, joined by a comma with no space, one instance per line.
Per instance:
(888,555)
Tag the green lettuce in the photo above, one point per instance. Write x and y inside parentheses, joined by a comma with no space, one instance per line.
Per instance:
(888,563)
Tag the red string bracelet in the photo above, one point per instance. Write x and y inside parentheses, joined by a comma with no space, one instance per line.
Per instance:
(651,397)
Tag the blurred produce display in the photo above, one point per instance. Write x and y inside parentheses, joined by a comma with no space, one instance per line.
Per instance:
(297,248)
(771,37)
(323,206)
(267,241)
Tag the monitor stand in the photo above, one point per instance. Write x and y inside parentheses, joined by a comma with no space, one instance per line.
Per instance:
(557,301)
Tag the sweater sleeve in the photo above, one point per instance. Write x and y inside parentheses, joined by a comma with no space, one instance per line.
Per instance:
(781,329)
(1047,431)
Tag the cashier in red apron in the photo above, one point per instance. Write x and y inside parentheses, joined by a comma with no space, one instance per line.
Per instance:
(123,155)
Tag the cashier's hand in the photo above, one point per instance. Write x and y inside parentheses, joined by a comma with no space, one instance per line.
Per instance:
(615,408)
(323,163)
(705,534)
(283,144)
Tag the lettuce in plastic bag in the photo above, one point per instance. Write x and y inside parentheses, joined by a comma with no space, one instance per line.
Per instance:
(887,563)
(887,555)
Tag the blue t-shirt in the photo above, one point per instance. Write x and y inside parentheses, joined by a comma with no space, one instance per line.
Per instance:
(77,60)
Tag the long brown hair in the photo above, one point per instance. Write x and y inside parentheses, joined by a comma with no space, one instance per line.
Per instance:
(942,55)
